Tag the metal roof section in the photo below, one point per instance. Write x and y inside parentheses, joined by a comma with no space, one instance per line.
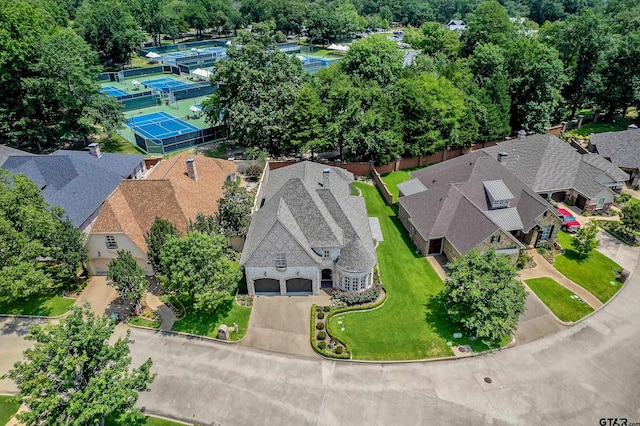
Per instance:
(412,186)
(497,190)
(509,251)
(507,219)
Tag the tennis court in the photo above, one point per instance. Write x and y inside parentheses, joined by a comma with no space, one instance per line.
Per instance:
(113,91)
(165,84)
(159,125)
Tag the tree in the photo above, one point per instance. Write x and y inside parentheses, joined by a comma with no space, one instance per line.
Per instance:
(489,23)
(630,216)
(110,29)
(68,248)
(483,296)
(195,266)
(306,124)
(127,277)
(207,224)
(374,59)
(74,376)
(585,239)
(433,38)
(161,230)
(234,209)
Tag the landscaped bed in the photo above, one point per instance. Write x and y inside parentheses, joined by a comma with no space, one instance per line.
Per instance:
(596,273)
(412,323)
(48,303)
(144,322)
(562,302)
(207,323)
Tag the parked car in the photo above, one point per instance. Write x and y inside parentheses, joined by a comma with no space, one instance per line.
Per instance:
(569,222)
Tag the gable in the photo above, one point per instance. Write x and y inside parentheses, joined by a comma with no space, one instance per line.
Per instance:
(279,240)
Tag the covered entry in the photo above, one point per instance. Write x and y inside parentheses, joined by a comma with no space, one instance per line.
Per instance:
(266,285)
(299,285)
(327,278)
(435,246)
(581,202)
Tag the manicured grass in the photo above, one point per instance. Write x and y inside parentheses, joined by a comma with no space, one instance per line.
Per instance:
(8,407)
(143,322)
(394,178)
(412,324)
(595,272)
(118,145)
(47,304)
(558,299)
(615,125)
(149,421)
(207,323)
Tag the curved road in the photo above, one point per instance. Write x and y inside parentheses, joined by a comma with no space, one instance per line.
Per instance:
(576,377)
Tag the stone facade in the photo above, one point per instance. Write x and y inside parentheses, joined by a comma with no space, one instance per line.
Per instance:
(416,237)
(449,251)
(499,240)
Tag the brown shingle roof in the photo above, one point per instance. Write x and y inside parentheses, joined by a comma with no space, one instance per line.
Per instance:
(168,193)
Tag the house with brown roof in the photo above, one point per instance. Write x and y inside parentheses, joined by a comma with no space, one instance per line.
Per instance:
(176,190)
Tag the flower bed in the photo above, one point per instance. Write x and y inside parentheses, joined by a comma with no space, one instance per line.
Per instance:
(323,343)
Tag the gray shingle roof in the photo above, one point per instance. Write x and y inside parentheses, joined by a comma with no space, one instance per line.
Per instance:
(411,186)
(548,164)
(623,148)
(316,216)
(6,151)
(75,180)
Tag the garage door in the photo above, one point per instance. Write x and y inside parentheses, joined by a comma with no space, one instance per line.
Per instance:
(266,285)
(581,202)
(100,266)
(299,285)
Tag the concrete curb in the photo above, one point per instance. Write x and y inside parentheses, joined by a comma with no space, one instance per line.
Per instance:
(36,316)
(189,335)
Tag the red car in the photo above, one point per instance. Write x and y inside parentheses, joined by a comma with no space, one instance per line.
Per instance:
(569,223)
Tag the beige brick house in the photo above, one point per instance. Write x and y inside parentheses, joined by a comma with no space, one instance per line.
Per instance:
(472,202)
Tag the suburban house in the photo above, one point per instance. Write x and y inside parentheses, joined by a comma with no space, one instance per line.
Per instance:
(308,232)
(557,171)
(77,181)
(456,25)
(622,149)
(176,190)
(472,202)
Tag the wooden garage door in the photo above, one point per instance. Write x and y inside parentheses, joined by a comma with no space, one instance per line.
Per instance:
(299,285)
(266,285)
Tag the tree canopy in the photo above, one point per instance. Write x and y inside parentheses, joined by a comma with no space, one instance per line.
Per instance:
(127,277)
(161,230)
(585,239)
(234,209)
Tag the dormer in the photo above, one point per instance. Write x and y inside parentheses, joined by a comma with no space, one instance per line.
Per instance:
(498,194)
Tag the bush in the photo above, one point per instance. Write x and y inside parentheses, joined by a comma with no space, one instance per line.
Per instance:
(622,198)
(253,172)
(326,308)
(322,345)
(522,261)
(338,350)
(542,250)
(569,201)
(357,298)
(322,335)
(320,326)
(320,315)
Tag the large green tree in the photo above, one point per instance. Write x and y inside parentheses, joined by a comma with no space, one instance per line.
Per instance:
(127,277)
(234,209)
(584,242)
(375,59)
(74,376)
(161,230)
(483,295)
(195,266)
(489,23)
(307,122)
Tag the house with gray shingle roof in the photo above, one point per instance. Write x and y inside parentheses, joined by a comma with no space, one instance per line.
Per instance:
(472,202)
(557,171)
(308,232)
(622,149)
(77,181)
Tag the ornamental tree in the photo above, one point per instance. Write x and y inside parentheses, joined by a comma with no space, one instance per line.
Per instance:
(234,209)
(631,216)
(127,277)
(74,376)
(483,296)
(155,238)
(585,239)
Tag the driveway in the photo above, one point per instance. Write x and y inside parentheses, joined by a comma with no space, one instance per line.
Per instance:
(12,344)
(624,255)
(281,323)
(97,294)
(536,322)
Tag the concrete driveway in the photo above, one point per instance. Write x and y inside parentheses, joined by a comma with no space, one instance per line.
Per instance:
(624,255)
(12,344)
(97,294)
(281,323)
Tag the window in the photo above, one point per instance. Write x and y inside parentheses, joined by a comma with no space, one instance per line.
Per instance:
(326,254)
(111,242)
(544,234)
(600,203)
(495,239)
(363,282)
(281,261)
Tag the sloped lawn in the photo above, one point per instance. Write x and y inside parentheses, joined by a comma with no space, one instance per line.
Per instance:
(412,324)
(558,299)
(207,323)
(595,273)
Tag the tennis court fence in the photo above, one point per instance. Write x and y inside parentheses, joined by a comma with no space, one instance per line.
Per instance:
(178,142)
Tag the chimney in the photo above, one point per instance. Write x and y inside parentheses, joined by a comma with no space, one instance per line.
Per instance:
(325,178)
(191,169)
(94,149)
(501,155)
(522,134)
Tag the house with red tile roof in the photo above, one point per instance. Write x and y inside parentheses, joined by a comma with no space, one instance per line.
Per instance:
(176,190)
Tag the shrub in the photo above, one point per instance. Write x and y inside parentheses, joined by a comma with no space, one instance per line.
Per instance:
(569,201)
(320,315)
(357,298)
(338,350)
(322,335)
(253,172)
(320,326)
(322,345)
(542,250)
(326,308)
(522,261)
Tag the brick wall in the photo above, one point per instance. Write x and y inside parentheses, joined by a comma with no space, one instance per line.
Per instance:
(388,198)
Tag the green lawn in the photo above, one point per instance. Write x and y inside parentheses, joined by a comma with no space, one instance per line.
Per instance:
(558,299)
(394,178)
(595,272)
(412,324)
(615,125)
(118,145)
(8,407)
(206,324)
(144,322)
(150,421)
(47,304)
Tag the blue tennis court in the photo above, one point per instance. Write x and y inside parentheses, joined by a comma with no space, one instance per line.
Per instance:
(113,91)
(160,125)
(165,84)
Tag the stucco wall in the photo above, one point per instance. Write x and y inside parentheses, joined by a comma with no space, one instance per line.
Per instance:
(98,252)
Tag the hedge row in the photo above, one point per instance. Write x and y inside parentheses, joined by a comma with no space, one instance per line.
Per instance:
(313,339)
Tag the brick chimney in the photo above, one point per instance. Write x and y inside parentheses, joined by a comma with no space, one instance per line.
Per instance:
(94,149)
(325,178)
(191,169)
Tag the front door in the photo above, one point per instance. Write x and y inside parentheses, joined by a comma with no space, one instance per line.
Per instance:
(435,246)
(327,278)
